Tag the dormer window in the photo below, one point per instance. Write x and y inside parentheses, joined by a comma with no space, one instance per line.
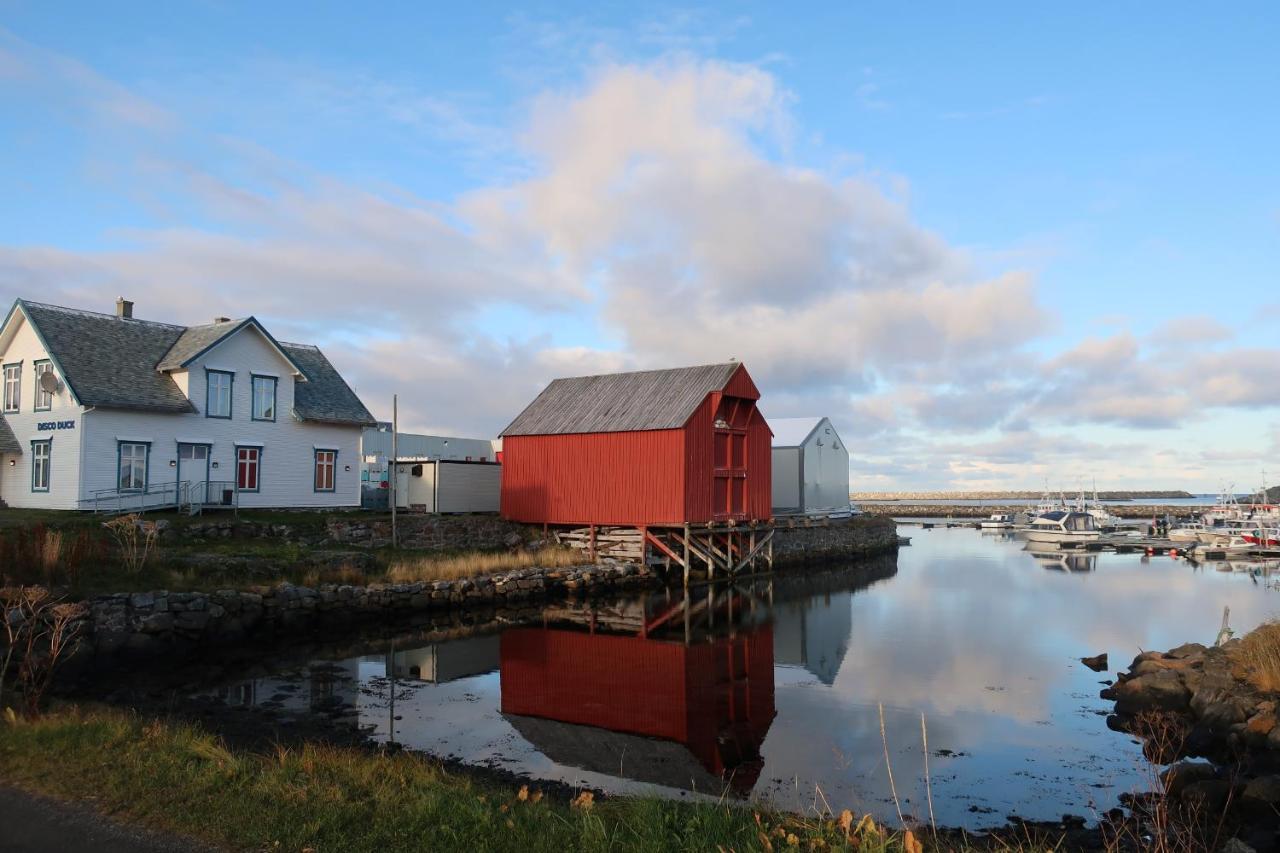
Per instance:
(264,398)
(218,393)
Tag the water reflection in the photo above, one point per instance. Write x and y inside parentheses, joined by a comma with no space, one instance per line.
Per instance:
(773,690)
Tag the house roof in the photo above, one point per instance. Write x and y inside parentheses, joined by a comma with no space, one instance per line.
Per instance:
(195,341)
(109,362)
(120,363)
(8,443)
(792,432)
(325,396)
(621,402)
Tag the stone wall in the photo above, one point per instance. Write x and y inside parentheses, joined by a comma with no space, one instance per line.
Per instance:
(862,536)
(149,624)
(910,510)
(433,532)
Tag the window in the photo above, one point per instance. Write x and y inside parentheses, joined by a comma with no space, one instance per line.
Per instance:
(326,466)
(44,399)
(12,387)
(248,463)
(41,452)
(264,398)
(133,466)
(218,393)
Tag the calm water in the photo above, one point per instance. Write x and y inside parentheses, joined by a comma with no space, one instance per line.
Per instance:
(777,689)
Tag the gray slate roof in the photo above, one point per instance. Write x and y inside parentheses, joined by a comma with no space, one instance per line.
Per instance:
(120,364)
(195,340)
(621,402)
(8,443)
(110,362)
(325,396)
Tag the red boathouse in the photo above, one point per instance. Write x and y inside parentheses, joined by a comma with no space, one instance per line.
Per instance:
(654,448)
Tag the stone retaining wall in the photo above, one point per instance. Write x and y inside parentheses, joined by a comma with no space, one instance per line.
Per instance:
(910,510)
(848,539)
(433,532)
(149,624)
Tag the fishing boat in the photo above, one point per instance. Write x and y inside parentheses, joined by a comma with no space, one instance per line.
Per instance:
(1264,536)
(1188,532)
(998,521)
(1103,518)
(1063,526)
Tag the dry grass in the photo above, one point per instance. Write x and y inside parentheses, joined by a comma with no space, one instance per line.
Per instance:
(478,563)
(1258,656)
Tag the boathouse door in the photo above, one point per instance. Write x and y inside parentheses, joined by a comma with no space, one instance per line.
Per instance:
(729,488)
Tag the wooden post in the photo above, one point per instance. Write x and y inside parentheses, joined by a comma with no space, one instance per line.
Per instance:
(686,557)
(751,548)
(591,549)
(395,449)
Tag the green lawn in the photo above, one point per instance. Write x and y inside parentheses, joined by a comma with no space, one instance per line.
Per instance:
(178,778)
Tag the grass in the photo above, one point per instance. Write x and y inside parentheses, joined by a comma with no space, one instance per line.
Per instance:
(1258,656)
(177,778)
(473,564)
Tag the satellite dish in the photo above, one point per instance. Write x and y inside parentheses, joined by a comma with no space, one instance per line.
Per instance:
(49,382)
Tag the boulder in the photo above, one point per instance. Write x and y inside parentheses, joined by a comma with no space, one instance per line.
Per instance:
(1207,796)
(1264,789)
(1187,650)
(1184,773)
(1156,691)
(1097,663)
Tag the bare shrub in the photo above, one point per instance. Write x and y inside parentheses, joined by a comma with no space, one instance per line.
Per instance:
(38,628)
(135,539)
(51,553)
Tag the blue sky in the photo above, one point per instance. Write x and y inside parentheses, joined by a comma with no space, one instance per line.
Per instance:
(995,244)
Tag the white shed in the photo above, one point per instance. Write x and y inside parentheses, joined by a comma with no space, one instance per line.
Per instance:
(810,467)
(448,485)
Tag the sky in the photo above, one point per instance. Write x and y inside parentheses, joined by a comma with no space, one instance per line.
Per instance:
(998,244)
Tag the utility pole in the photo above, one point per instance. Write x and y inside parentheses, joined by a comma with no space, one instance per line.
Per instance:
(395,469)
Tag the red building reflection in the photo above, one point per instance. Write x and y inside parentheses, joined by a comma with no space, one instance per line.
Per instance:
(585,697)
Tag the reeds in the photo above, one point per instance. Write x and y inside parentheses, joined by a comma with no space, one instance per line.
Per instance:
(1258,655)
(481,563)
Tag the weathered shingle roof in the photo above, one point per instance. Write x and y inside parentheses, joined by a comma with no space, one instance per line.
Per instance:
(8,443)
(325,396)
(195,340)
(120,363)
(198,340)
(621,402)
(110,362)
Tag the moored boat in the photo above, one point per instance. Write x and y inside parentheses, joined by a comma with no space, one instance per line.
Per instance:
(998,521)
(1063,526)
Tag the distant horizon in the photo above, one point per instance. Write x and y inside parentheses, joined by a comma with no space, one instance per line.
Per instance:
(988,256)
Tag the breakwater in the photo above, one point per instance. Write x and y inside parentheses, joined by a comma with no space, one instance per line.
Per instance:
(918,510)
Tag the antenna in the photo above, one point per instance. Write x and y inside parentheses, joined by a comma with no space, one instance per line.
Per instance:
(49,382)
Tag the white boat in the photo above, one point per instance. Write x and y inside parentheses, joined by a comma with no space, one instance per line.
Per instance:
(1234,547)
(998,521)
(1189,532)
(1102,517)
(1063,526)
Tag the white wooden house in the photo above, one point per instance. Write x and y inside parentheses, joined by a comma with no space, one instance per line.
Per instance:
(140,414)
(810,468)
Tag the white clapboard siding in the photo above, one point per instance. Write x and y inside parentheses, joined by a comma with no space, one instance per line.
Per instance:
(288,446)
(64,460)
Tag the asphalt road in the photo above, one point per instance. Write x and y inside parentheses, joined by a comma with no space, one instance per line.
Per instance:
(30,824)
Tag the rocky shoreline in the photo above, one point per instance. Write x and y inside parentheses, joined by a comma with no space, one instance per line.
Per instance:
(1193,703)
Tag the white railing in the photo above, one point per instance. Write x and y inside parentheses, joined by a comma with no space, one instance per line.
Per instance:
(209,494)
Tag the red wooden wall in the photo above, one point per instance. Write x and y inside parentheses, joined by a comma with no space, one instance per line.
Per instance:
(716,698)
(645,478)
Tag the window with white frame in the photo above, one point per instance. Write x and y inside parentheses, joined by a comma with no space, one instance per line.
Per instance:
(133,466)
(44,399)
(248,468)
(218,393)
(12,387)
(264,398)
(41,455)
(326,468)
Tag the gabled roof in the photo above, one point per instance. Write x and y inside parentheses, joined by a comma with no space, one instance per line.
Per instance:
(119,363)
(106,361)
(793,432)
(8,443)
(621,402)
(195,341)
(325,396)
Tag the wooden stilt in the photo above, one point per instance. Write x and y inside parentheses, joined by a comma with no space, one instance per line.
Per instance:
(686,556)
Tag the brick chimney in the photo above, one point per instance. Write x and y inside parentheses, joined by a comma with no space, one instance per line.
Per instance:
(124,308)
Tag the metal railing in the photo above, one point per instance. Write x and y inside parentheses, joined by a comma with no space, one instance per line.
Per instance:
(153,496)
(209,494)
